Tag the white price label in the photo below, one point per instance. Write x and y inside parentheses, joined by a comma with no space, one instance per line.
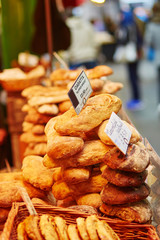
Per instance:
(80,92)
(118,132)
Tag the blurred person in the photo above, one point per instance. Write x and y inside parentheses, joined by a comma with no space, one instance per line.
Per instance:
(83,49)
(152,40)
(128,32)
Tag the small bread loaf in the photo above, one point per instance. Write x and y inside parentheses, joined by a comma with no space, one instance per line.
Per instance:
(124,179)
(113,195)
(136,159)
(139,212)
(135,137)
(76,175)
(40,177)
(91,199)
(59,147)
(92,153)
(97,109)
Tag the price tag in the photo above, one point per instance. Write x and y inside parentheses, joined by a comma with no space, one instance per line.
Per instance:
(80,92)
(118,132)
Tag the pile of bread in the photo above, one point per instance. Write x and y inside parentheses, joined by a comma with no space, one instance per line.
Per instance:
(93,170)
(82,166)
(98,77)
(46,227)
(44,103)
(38,186)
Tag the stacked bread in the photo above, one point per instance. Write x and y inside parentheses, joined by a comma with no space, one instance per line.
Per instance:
(124,196)
(73,144)
(42,105)
(37,181)
(98,77)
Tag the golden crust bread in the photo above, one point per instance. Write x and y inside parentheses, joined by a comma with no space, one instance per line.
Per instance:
(123,178)
(76,175)
(9,176)
(136,159)
(33,191)
(38,90)
(64,106)
(29,137)
(61,228)
(27,126)
(99,71)
(40,100)
(47,227)
(21,233)
(73,74)
(36,173)
(81,225)
(48,162)
(25,108)
(28,92)
(73,232)
(38,149)
(113,195)
(32,227)
(105,231)
(94,184)
(57,172)
(37,118)
(51,109)
(9,192)
(96,84)
(61,190)
(91,199)
(59,74)
(135,137)
(85,209)
(96,110)
(59,147)
(112,87)
(92,153)
(91,223)
(139,212)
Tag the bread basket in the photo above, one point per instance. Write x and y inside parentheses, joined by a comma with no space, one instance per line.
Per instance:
(125,230)
(14,79)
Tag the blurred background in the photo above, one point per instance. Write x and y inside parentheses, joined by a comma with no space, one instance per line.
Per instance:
(35,27)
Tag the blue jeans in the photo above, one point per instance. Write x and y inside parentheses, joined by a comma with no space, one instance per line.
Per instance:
(87,65)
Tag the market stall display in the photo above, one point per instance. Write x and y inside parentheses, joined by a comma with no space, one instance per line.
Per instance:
(78,167)
(44,102)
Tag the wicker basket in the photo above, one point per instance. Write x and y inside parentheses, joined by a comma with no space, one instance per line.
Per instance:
(17,80)
(18,85)
(125,230)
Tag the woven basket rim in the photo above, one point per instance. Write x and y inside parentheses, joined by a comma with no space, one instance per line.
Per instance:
(21,208)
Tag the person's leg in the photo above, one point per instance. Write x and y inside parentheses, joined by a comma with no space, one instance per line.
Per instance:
(135,103)
(134,80)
